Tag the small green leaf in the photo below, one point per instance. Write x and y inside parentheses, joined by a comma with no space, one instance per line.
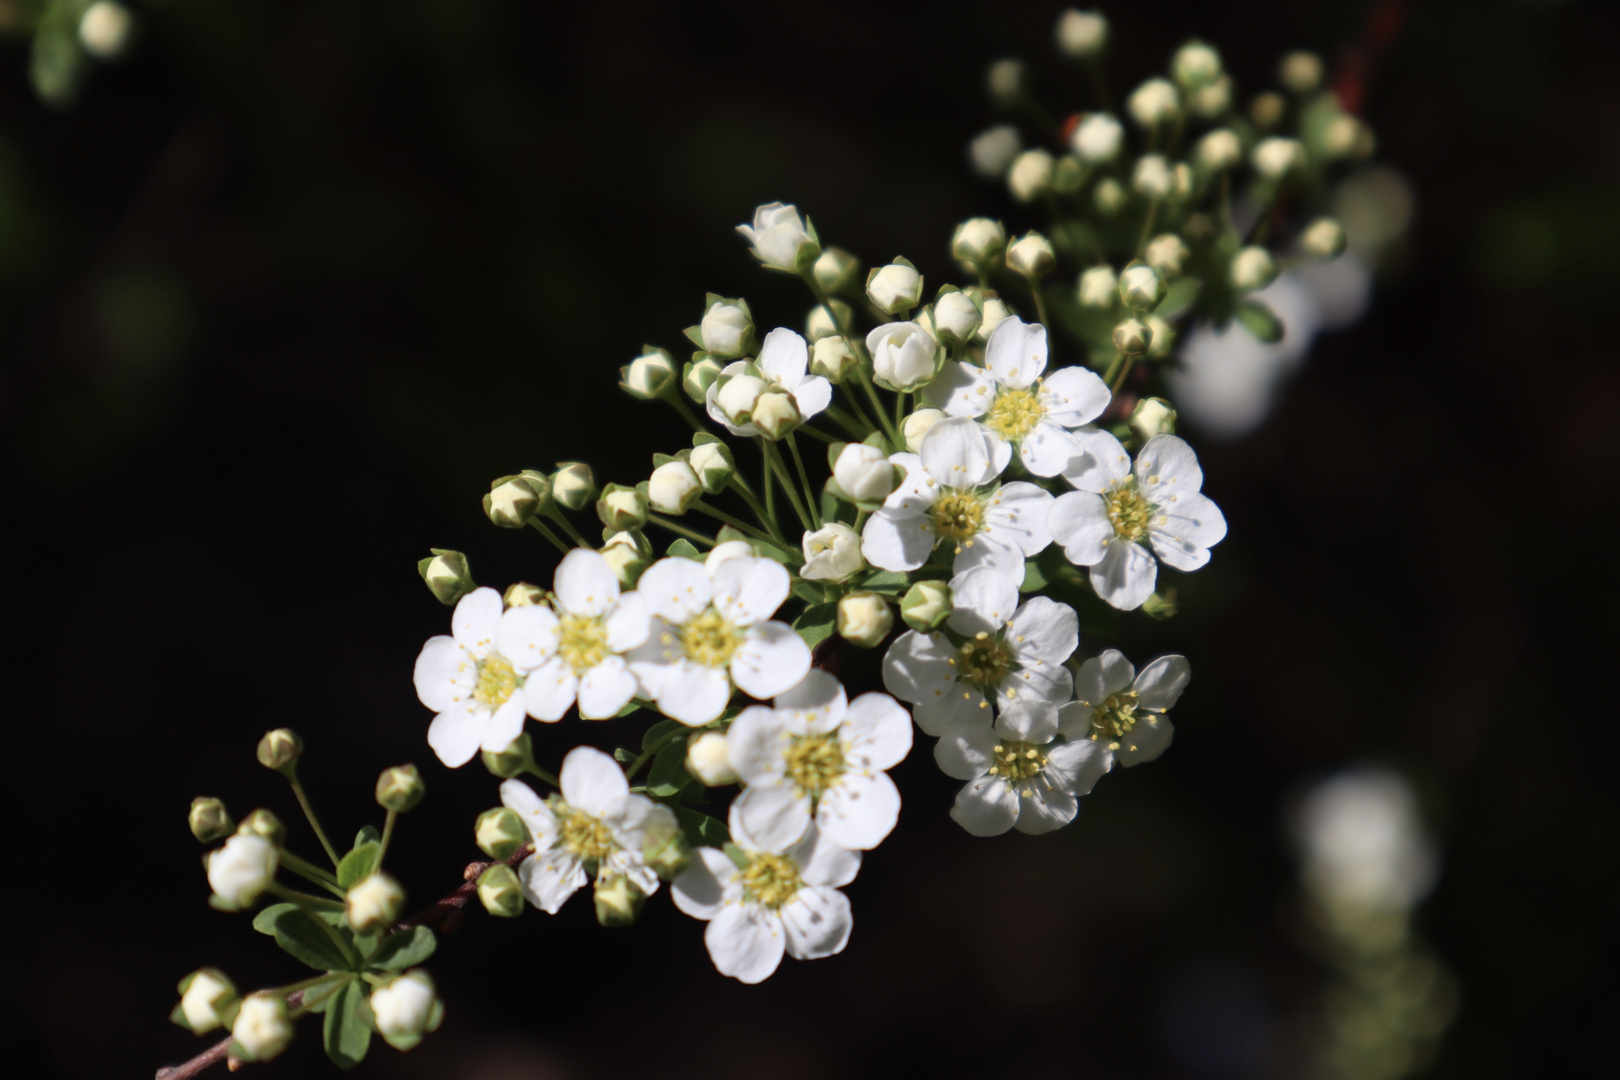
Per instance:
(1034,577)
(367,835)
(358,864)
(623,756)
(628,709)
(701,830)
(816,623)
(885,581)
(344,1032)
(684,549)
(265,921)
(659,731)
(1259,321)
(403,949)
(811,591)
(303,938)
(668,774)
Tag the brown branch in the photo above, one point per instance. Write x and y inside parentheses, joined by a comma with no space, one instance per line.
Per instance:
(216,1053)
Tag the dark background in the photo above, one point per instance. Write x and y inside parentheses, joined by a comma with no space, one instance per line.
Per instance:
(293,281)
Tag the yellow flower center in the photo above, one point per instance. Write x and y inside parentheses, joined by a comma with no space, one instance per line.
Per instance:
(497,681)
(1020,764)
(984,662)
(815,762)
(1116,716)
(1015,413)
(583,642)
(771,880)
(1128,511)
(710,639)
(583,834)
(958,514)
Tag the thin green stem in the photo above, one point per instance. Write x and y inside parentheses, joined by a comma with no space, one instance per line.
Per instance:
(568,527)
(387,835)
(804,478)
(310,1002)
(681,530)
(549,535)
(685,410)
(1040,302)
(1113,367)
(1147,227)
(652,751)
(899,412)
(310,872)
(769,484)
(309,813)
(734,522)
(815,434)
(859,420)
(1125,369)
(883,414)
(302,984)
(753,502)
(536,771)
(774,457)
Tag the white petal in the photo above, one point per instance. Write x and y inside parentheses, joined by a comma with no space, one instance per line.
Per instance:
(1047,449)
(591,780)
(877,732)
(1017,515)
(1166,466)
(527,636)
(774,815)
(1149,738)
(1102,676)
(985,807)
(817,922)
(585,584)
(812,395)
(693,694)
(504,725)
(1076,766)
(1043,632)
(537,816)
(954,452)
(965,705)
(771,659)
(1188,525)
(699,891)
(1161,683)
(628,622)
(1042,811)
(920,668)
(437,666)
(675,589)
(455,733)
(748,591)
(476,620)
(784,356)
(1079,521)
(1016,352)
(962,389)
(745,942)
(606,688)
(915,491)
(1126,575)
(822,862)
(859,810)
(550,690)
(756,742)
(1029,719)
(1099,460)
(967,751)
(1073,396)
(983,599)
(731,549)
(550,877)
(897,541)
(1000,451)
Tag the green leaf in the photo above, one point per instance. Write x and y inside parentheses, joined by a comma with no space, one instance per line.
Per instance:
(628,709)
(623,756)
(811,591)
(658,731)
(684,549)
(668,774)
(404,948)
(302,937)
(358,864)
(369,834)
(345,1033)
(885,581)
(265,921)
(701,830)
(816,623)
(1259,321)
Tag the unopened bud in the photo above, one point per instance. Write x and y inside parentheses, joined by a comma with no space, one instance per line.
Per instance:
(1140,287)
(1131,337)
(713,464)
(1161,338)
(1098,138)
(663,846)
(1031,174)
(517,757)
(627,555)
(776,414)
(206,997)
(993,149)
(1161,605)
(649,376)
(621,508)
(1097,287)
(1300,72)
(673,488)
(405,1008)
(1214,100)
(1153,178)
(698,375)
(993,312)
(262,822)
(955,318)
(835,269)
(1153,103)
(242,869)
(832,359)
(1081,35)
(513,500)
(1276,157)
(819,324)
(372,902)
(977,241)
(926,606)
(1153,416)
(400,788)
(1005,80)
(1219,150)
(1167,254)
(864,619)
(832,553)
(1323,238)
(446,575)
(618,901)
(727,330)
(208,819)
(895,288)
(523,594)
(1031,255)
(1109,196)
(708,757)
(915,426)
(262,1028)
(1195,64)
(1252,268)
(499,832)
(279,749)
(1267,109)
(500,892)
(573,485)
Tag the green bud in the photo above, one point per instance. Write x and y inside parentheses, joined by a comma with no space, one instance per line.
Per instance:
(400,788)
(926,606)
(279,749)
(372,903)
(1161,605)
(513,500)
(264,823)
(499,892)
(1252,269)
(698,374)
(208,819)
(618,901)
(518,756)
(1168,254)
(1131,337)
(207,1001)
(714,465)
(622,508)
(775,414)
(835,269)
(573,485)
(1161,338)
(864,619)
(648,376)
(663,846)
(500,832)
(522,594)
(1153,416)
(446,575)
(627,554)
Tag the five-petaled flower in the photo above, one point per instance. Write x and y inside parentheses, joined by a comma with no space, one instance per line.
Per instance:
(1123,712)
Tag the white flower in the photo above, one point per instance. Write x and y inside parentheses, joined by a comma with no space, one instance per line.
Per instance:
(779,238)
(203,999)
(863,473)
(242,869)
(1032,784)
(902,355)
(915,427)
(894,288)
(104,29)
(708,757)
(1219,150)
(404,1006)
(1121,711)
(473,685)
(817,756)
(1030,175)
(784,364)
(782,901)
(1081,34)
(673,487)
(262,1029)
(1098,138)
(1020,663)
(1195,64)
(1097,287)
(1276,157)
(950,494)
(1154,102)
(1363,843)
(711,619)
(1153,178)
(594,825)
(1009,397)
(992,150)
(1104,524)
(831,553)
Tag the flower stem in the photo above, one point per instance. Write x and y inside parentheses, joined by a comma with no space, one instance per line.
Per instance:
(1125,369)
(849,423)
(652,751)
(1147,227)
(773,456)
(883,414)
(822,435)
(310,872)
(765,517)
(387,835)
(674,398)
(548,534)
(568,527)
(536,771)
(681,530)
(734,522)
(1040,302)
(804,478)
(309,813)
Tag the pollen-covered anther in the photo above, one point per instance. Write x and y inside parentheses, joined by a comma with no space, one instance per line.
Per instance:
(1128,512)
(815,762)
(497,681)
(771,880)
(582,642)
(710,639)
(1116,715)
(1015,413)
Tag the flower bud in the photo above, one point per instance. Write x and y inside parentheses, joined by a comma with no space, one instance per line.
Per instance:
(1252,268)
(1300,72)
(1081,35)
(279,749)
(1153,103)
(780,238)
(104,29)
(708,757)
(1161,605)
(400,788)
(1346,137)
(1131,337)
(737,396)
(673,488)
(992,150)
(1152,178)
(1214,100)
(713,465)
(522,594)
(864,619)
(372,902)
(1167,254)
(513,500)
(1153,416)
(446,575)
(832,553)
(262,1028)
(1005,80)
(776,414)
(1098,138)
(727,330)
(903,355)
(262,822)
(573,485)
(1219,150)
(818,324)
(1161,338)
(1323,238)
(926,606)
(650,375)
(404,1007)
(832,359)
(955,318)
(895,288)
(242,869)
(1031,255)
(1195,64)
(697,375)
(1097,287)
(992,313)
(1140,287)
(1276,157)
(1031,174)
(1267,109)
(620,508)
(1109,196)
(618,901)
(835,270)
(500,892)
(517,757)
(626,558)
(208,819)
(916,426)
(977,241)
(500,832)
(663,846)
(206,997)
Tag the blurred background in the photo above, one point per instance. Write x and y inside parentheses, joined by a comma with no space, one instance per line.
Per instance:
(286,284)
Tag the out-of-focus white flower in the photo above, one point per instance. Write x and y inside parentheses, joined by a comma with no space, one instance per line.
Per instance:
(242,869)
(895,288)
(1097,287)
(1323,238)
(262,1029)
(903,355)
(1167,253)
(1109,196)
(819,323)
(1363,842)
(1152,177)
(1252,268)
(1153,103)
(1214,100)
(708,757)
(1276,157)
(1005,79)
(780,239)
(1081,34)
(405,1006)
(1195,64)
(1121,711)
(1218,150)
(863,473)
(916,427)
(978,240)
(832,553)
(1031,174)
(1032,784)
(104,29)
(1300,71)
(992,150)
(834,269)
(1098,138)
